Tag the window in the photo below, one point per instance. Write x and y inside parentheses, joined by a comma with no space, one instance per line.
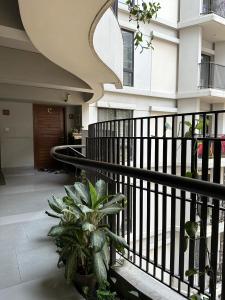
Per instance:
(205,81)
(108,114)
(128,58)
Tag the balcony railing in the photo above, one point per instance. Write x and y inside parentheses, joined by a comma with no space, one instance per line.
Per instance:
(150,160)
(214,6)
(212,76)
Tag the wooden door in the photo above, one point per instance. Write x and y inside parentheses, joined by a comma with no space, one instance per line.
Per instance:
(49,131)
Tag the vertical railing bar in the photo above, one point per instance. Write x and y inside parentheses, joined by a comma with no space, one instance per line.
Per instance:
(123,177)
(129,196)
(182,206)
(173,212)
(148,241)
(216,125)
(193,197)
(156,219)
(164,199)
(215,220)
(118,178)
(134,191)
(141,196)
(203,219)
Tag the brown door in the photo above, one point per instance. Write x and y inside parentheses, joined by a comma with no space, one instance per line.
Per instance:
(49,131)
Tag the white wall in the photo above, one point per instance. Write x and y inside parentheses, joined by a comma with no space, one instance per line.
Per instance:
(164,67)
(16,135)
(189,9)
(189,59)
(169,10)
(220,53)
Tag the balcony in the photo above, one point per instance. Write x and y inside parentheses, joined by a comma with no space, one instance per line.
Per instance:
(212,76)
(151,160)
(213,7)
(207,14)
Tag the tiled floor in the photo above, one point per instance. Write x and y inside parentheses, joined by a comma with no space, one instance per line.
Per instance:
(28,257)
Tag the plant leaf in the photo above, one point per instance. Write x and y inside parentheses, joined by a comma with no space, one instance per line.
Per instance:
(88,227)
(70,191)
(191,228)
(118,198)
(100,268)
(186,239)
(83,192)
(97,241)
(195,297)
(111,210)
(85,209)
(71,215)
(58,202)
(118,241)
(191,272)
(102,200)
(71,266)
(59,230)
(93,194)
(100,187)
(105,255)
(52,215)
(188,124)
(54,207)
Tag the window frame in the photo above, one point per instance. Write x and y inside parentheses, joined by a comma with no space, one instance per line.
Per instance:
(125,70)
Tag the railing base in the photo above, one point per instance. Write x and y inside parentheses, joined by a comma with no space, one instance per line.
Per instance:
(132,284)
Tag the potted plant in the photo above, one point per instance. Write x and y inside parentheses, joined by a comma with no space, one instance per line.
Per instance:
(82,238)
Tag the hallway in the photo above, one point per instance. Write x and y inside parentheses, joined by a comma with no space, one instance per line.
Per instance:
(28,257)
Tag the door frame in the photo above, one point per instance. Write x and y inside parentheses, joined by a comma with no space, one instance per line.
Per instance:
(35,105)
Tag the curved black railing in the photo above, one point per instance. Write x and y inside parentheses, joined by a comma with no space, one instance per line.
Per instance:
(183,183)
(153,222)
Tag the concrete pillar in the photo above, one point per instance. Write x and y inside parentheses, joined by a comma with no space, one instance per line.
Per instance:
(221,117)
(190,9)
(188,105)
(189,59)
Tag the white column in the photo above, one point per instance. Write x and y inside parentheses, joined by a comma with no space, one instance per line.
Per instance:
(189,59)
(190,9)
(188,105)
(221,117)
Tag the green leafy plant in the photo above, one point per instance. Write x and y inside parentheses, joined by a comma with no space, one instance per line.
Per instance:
(142,13)
(191,229)
(104,293)
(82,237)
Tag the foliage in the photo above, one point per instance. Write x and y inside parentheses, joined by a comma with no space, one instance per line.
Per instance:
(199,126)
(191,229)
(81,236)
(104,293)
(142,13)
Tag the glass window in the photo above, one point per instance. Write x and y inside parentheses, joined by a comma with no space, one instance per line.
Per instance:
(108,114)
(128,57)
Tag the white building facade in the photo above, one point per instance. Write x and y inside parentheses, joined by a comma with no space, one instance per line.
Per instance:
(183,72)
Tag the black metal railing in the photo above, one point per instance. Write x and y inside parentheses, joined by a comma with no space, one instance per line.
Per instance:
(187,145)
(151,160)
(214,6)
(212,76)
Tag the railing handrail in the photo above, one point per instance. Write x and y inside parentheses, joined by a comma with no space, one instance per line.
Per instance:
(174,115)
(204,188)
(211,63)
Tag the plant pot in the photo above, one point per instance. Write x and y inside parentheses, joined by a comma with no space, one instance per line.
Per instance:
(88,281)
